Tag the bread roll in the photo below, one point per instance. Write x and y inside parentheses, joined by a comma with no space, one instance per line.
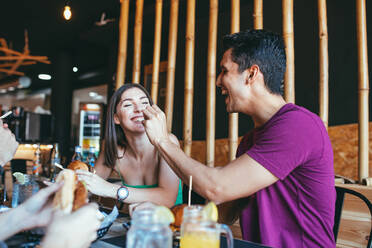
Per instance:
(177,210)
(78,165)
(81,196)
(73,193)
(64,197)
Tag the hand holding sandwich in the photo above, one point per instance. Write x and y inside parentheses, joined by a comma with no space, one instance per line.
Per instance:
(76,230)
(35,212)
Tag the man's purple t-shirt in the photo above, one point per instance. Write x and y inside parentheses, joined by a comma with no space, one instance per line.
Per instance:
(297,210)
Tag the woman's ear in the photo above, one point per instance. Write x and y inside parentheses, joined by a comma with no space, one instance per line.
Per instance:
(116,119)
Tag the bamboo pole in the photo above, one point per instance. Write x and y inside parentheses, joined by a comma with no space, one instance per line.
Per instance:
(323,62)
(172,51)
(137,42)
(156,57)
(211,82)
(123,41)
(289,84)
(363,85)
(189,76)
(234,117)
(257,14)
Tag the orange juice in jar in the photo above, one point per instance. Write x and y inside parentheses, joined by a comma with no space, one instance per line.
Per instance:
(198,231)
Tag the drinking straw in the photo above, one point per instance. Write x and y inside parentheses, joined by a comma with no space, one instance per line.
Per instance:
(190,188)
(5,115)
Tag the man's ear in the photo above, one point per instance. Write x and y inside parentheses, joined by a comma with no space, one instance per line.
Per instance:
(252,73)
(116,119)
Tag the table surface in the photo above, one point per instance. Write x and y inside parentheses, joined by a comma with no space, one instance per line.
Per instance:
(115,238)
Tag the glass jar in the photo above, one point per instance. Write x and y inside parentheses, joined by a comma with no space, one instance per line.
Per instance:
(197,231)
(145,233)
(21,192)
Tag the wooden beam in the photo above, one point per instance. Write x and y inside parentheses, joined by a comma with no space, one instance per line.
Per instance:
(323,62)
(363,89)
(172,51)
(156,57)
(258,14)
(123,42)
(189,76)
(234,117)
(211,82)
(289,78)
(137,42)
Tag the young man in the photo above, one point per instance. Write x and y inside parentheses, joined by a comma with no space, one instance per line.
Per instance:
(283,173)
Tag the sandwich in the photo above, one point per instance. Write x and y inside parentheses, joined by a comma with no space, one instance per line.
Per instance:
(78,165)
(72,195)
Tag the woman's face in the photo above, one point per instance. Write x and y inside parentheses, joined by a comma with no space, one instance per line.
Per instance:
(129,110)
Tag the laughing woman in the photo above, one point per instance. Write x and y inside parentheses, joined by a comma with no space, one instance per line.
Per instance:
(145,175)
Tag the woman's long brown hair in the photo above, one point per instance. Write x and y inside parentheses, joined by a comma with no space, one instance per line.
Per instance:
(114,133)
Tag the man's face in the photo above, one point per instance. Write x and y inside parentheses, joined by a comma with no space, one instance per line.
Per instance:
(231,82)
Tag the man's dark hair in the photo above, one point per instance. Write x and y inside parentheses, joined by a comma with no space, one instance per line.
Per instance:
(263,48)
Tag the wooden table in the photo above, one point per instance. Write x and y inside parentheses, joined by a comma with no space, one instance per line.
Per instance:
(116,238)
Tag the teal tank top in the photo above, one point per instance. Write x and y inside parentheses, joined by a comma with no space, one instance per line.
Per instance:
(179,199)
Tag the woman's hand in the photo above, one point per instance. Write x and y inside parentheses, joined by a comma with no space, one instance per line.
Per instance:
(155,125)
(96,184)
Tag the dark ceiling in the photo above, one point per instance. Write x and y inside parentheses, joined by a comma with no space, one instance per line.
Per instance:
(90,46)
(49,33)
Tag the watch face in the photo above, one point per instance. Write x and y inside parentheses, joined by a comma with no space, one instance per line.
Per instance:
(123,193)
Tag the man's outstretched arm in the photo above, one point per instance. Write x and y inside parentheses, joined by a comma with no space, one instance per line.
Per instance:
(240,178)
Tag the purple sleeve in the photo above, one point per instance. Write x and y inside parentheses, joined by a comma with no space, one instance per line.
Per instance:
(285,143)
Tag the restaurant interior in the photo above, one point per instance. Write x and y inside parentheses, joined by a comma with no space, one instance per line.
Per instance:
(58,73)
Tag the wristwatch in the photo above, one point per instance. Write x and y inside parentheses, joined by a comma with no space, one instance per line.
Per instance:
(122,193)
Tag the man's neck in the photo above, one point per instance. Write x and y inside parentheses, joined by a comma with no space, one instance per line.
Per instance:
(266,109)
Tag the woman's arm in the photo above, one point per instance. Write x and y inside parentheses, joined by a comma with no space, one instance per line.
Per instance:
(165,194)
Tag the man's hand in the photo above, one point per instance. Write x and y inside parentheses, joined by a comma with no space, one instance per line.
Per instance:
(76,230)
(8,144)
(155,125)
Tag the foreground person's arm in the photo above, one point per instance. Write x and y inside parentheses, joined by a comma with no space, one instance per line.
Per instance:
(76,230)
(240,178)
(8,144)
(35,212)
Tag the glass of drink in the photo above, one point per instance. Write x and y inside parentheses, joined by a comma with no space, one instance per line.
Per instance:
(21,192)
(145,233)
(198,232)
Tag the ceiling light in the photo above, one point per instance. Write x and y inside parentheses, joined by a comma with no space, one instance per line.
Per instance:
(67,12)
(93,94)
(11,88)
(3,91)
(44,77)
(98,97)
(14,82)
(75,69)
